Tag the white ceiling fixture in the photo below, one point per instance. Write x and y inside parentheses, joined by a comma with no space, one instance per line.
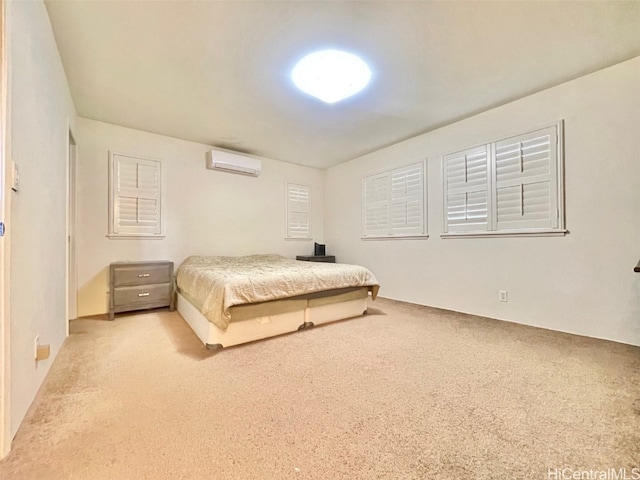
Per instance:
(331,75)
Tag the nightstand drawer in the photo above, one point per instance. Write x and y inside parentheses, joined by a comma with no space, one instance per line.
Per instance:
(143,294)
(141,274)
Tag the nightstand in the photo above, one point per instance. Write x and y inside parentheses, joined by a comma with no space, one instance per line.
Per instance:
(317,258)
(139,286)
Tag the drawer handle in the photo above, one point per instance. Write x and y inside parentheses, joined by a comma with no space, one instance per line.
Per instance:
(144,294)
(142,275)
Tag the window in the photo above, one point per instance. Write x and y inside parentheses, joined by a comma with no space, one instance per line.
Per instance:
(135,203)
(512,186)
(393,203)
(298,211)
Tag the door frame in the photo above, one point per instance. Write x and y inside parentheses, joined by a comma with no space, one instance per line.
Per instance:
(71,248)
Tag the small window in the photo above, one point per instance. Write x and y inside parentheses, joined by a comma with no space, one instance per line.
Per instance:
(135,201)
(298,211)
(512,186)
(394,203)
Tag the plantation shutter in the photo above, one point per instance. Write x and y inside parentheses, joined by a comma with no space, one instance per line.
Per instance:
(298,211)
(525,176)
(407,200)
(393,203)
(467,190)
(136,199)
(376,205)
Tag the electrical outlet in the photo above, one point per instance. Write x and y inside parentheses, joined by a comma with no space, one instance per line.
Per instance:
(36,344)
(503,296)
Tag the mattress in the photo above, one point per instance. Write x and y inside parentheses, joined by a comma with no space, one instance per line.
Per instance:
(219,286)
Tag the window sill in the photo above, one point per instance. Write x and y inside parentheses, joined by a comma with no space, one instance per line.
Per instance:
(113,236)
(397,237)
(533,233)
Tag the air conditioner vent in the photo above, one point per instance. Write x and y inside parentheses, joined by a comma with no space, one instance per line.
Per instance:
(233,162)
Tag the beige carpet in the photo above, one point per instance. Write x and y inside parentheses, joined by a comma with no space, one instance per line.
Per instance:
(405,392)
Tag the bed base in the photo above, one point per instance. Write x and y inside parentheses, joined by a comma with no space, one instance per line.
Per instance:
(267,326)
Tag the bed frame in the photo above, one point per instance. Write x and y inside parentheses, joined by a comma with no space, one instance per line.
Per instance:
(307,313)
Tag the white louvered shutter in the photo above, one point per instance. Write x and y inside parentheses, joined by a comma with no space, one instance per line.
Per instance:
(466,176)
(525,179)
(136,196)
(393,203)
(376,205)
(298,211)
(407,200)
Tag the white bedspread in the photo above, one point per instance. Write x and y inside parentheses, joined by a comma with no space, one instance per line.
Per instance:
(218,283)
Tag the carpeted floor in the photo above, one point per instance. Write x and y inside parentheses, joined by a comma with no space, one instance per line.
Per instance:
(406,392)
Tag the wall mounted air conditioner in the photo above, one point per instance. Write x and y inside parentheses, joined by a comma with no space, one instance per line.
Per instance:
(234,162)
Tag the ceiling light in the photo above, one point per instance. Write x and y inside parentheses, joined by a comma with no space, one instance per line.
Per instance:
(331,75)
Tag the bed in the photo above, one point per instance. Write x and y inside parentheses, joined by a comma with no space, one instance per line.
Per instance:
(232,300)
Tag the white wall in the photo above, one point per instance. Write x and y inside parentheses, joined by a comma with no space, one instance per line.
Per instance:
(41,111)
(206,212)
(581,283)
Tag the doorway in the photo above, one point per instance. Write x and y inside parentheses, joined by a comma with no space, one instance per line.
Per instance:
(72,269)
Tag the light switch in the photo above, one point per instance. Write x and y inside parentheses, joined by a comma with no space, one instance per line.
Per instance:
(15,176)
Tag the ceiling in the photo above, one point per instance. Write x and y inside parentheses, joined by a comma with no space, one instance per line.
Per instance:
(217,72)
